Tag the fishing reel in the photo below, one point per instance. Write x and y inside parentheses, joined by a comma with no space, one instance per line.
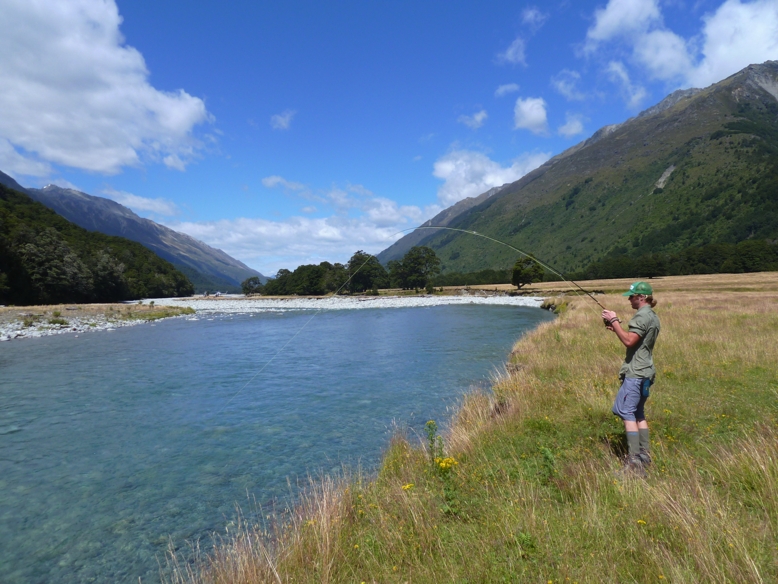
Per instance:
(608,323)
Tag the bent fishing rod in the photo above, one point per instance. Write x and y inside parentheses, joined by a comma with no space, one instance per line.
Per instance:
(517,250)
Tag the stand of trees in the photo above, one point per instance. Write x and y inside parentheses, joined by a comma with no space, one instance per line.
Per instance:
(363,272)
(715,258)
(415,270)
(45,259)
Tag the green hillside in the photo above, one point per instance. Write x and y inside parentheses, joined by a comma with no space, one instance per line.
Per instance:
(699,168)
(45,259)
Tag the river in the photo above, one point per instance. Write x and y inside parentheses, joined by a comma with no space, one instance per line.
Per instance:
(113,443)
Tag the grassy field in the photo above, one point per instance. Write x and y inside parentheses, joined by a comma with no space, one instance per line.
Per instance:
(521,488)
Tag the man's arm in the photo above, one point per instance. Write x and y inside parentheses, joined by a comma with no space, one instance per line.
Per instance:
(628,338)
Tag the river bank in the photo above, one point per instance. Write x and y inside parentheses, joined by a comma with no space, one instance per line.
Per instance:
(29,322)
(522,487)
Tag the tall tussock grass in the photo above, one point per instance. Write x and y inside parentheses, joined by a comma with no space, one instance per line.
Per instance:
(521,485)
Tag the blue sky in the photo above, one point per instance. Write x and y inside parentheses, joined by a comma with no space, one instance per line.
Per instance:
(297,132)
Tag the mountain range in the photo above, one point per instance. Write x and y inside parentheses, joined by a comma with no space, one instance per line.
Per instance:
(700,167)
(206,267)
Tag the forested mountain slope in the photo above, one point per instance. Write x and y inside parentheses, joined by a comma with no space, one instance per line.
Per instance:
(45,259)
(207,267)
(701,167)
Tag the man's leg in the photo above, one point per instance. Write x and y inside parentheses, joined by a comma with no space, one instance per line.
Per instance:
(633,437)
(645,444)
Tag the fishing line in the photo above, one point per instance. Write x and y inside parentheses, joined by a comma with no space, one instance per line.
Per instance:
(525,254)
(370,257)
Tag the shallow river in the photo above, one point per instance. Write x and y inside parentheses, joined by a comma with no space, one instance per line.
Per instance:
(113,443)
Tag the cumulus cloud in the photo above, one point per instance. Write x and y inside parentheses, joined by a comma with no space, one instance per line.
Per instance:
(142,204)
(573,126)
(282,121)
(736,35)
(75,94)
(475,121)
(506,89)
(514,53)
(732,36)
(621,18)
(272,245)
(530,114)
(359,220)
(15,164)
(663,54)
(468,174)
(275,181)
(566,83)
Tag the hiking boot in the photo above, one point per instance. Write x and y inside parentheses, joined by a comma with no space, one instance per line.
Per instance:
(645,458)
(633,467)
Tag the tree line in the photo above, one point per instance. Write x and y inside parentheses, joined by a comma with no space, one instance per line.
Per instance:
(715,258)
(418,269)
(45,259)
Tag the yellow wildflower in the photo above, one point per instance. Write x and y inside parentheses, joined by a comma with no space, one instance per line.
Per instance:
(641,522)
(407,487)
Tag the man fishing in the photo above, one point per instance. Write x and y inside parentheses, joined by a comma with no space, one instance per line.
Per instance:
(637,373)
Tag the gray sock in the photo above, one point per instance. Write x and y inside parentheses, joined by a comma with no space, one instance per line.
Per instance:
(633,441)
(645,445)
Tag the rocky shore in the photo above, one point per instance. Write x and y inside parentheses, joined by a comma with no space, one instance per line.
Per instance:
(40,321)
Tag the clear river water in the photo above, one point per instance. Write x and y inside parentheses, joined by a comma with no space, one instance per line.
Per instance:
(114,443)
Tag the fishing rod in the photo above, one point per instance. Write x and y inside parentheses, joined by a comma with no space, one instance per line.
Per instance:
(525,254)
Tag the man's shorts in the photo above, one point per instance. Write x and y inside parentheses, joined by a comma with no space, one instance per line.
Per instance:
(630,401)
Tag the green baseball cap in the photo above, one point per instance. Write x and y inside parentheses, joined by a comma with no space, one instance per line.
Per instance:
(639,288)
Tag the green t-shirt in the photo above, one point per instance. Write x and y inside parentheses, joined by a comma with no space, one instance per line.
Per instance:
(640,361)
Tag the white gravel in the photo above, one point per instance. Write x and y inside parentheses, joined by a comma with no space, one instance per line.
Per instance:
(17,330)
(241,305)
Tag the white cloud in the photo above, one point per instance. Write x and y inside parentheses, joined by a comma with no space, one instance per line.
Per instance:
(308,209)
(275,180)
(75,94)
(621,18)
(663,54)
(143,204)
(15,164)
(475,121)
(736,35)
(533,17)
(573,126)
(634,94)
(530,114)
(506,89)
(468,174)
(282,121)
(271,245)
(566,83)
(732,36)
(514,53)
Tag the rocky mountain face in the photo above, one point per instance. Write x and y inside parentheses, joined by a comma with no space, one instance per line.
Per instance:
(699,167)
(207,267)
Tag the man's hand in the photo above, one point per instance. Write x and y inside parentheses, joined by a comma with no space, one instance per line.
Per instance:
(609,317)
